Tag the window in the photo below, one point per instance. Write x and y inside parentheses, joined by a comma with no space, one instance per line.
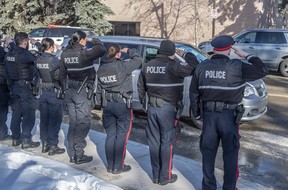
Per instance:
(150,53)
(125,28)
(37,33)
(53,32)
(247,38)
(271,37)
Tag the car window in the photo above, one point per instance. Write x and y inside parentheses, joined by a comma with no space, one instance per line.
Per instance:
(37,33)
(150,53)
(271,38)
(89,33)
(67,32)
(199,55)
(53,32)
(286,36)
(247,38)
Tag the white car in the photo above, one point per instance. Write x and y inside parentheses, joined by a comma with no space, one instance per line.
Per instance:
(56,32)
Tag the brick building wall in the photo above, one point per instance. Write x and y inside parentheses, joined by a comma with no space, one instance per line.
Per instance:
(190,20)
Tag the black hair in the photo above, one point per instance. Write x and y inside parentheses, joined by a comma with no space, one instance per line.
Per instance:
(47,43)
(113,49)
(20,37)
(77,37)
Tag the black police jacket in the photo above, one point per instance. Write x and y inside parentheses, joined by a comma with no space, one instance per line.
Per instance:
(19,65)
(48,66)
(77,62)
(221,79)
(114,75)
(2,73)
(163,77)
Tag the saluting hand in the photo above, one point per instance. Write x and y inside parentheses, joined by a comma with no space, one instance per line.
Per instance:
(58,47)
(240,52)
(125,50)
(180,52)
(33,41)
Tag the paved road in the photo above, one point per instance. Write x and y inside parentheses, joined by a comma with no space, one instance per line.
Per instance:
(263,157)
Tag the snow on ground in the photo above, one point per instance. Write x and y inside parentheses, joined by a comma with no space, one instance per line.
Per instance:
(25,171)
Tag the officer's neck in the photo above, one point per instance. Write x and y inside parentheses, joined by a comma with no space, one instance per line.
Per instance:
(226,53)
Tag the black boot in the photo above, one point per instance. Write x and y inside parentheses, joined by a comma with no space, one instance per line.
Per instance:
(45,147)
(125,169)
(54,149)
(172,180)
(28,143)
(16,142)
(83,159)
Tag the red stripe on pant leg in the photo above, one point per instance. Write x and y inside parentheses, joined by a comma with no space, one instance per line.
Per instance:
(237,169)
(127,137)
(170,162)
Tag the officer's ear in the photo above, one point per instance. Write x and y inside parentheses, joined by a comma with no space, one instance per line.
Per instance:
(118,55)
(83,41)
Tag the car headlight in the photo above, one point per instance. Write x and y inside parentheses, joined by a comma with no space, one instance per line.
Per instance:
(249,91)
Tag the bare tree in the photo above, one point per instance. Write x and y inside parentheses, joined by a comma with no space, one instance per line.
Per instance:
(164,16)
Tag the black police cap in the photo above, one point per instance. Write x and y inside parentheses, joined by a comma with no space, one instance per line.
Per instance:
(222,43)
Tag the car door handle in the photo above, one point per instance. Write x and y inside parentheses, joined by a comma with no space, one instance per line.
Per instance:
(278,48)
(58,40)
(251,47)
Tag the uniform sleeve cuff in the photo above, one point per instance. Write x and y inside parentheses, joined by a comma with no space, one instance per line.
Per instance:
(249,56)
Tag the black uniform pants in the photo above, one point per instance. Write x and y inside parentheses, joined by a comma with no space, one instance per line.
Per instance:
(117,121)
(79,111)
(51,112)
(23,105)
(161,136)
(219,126)
(4,103)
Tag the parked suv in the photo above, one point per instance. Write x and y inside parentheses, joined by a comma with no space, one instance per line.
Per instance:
(270,45)
(255,95)
(57,33)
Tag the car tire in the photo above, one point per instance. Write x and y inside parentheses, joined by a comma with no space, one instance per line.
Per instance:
(195,123)
(284,68)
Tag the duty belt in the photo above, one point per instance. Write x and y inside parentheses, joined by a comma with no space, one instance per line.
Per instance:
(218,106)
(114,96)
(74,83)
(159,102)
(22,82)
(47,85)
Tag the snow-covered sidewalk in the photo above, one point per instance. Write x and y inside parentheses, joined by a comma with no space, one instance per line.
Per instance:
(31,169)
(23,170)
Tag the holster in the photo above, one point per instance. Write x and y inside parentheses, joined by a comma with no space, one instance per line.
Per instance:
(128,99)
(145,102)
(90,90)
(36,89)
(60,94)
(239,111)
(103,98)
(179,109)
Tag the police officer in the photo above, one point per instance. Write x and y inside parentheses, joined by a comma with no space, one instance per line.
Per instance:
(20,72)
(77,67)
(50,107)
(114,90)
(162,79)
(219,84)
(4,99)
